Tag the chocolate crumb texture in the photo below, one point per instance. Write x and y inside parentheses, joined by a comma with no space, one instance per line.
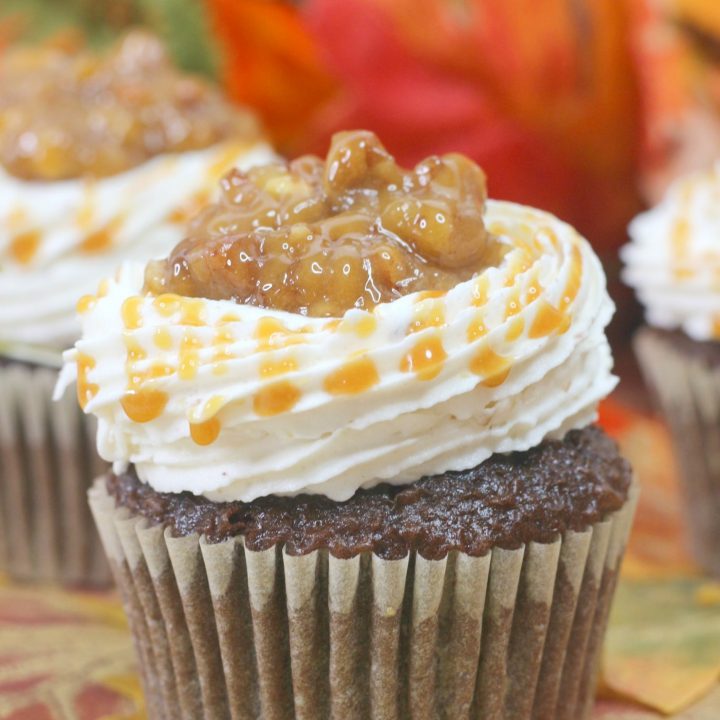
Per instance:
(506,501)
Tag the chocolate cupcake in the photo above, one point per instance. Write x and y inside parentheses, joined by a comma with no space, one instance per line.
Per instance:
(102,158)
(673,262)
(354,472)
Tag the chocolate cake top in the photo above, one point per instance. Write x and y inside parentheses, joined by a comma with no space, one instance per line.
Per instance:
(506,501)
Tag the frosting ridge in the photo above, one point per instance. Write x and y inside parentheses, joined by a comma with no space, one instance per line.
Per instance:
(673,258)
(58,239)
(431,382)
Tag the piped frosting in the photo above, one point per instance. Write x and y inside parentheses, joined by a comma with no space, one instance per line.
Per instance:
(673,259)
(235,401)
(58,239)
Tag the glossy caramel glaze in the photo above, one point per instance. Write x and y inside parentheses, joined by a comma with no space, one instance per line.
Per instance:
(320,237)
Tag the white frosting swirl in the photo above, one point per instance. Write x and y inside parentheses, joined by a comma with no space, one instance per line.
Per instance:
(59,239)
(673,259)
(237,402)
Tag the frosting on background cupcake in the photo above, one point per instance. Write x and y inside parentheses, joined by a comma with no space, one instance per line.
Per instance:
(673,259)
(57,239)
(102,158)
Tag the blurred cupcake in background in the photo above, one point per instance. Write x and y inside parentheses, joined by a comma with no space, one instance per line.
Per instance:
(102,158)
(673,262)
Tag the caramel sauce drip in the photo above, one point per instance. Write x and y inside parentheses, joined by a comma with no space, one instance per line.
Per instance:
(66,112)
(425,359)
(205,433)
(492,367)
(477,328)
(547,321)
(86,390)
(320,237)
(427,315)
(85,304)
(276,398)
(24,246)
(142,406)
(130,311)
(515,329)
(100,240)
(352,378)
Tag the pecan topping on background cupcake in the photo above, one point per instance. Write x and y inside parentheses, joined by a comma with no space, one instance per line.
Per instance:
(70,114)
(102,158)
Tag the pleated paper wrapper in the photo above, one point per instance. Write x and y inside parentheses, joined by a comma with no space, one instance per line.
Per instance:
(686,387)
(222,631)
(47,463)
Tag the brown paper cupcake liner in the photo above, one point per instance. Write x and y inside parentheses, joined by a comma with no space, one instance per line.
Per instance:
(47,462)
(686,387)
(226,632)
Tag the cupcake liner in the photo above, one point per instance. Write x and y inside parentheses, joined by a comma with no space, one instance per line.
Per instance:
(47,462)
(227,632)
(686,387)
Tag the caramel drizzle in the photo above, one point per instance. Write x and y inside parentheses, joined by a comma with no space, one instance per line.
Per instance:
(680,234)
(424,359)
(86,390)
(352,378)
(24,246)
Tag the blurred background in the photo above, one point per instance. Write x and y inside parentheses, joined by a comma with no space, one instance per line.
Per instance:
(587,108)
(584,107)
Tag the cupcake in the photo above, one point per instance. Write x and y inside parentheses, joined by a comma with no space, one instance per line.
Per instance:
(673,263)
(354,467)
(102,158)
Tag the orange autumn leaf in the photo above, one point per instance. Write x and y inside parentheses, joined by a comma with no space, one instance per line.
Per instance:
(704,14)
(614,418)
(270,63)
(548,107)
(663,644)
(680,83)
(658,546)
(567,73)
(67,650)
